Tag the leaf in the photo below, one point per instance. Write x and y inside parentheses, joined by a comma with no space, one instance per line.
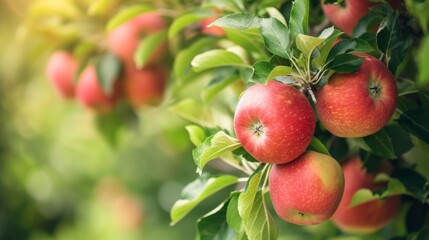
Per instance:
(217,86)
(214,226)
(416,122)
(213,147)
(298,22)
(394,187)
(345,63)
(108,70)
(265,71)
(197,191)
(318,146)
(148,46)
(196,134)
(126,14)
(191,110)
(185,20)
(424,62)
(276,37)
(306,44)
(242,21)
(380,144)
(413,182)
(233,217)
(216,58)
(257,220)
(326,45)
(400,138)
(249,39)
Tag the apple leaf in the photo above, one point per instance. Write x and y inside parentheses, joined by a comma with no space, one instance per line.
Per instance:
(275,13)
(213,147)
(196,134)
(424,62)
(242,21)
(345,63)
(400,138)
(416,122)
(380,144)
(318,146)
(214,225)
(185,20)
(126,14)
(254,212)
(191,110)
(217,58)
(276,37)
(298,22)
(216,86)
(148,47)
(265,71)
(108,69)
(249,39)
(197,191)
(329,35)
(306,44)
(233,217)
(415,184)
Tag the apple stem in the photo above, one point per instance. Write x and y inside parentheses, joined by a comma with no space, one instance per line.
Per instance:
(311,93)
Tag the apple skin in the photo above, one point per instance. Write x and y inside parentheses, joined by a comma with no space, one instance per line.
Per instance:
(367,217)
(124,40)
(346,105)
(307,190)
(274,122)
(144,86)
(91,95)
(214,30)
(60,70)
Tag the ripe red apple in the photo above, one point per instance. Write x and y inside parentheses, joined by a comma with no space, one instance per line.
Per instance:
(144,86)
(60,70)
(307,190)
(367,217)
(90,93)
(358,104)
(124,40)
(214,30)
(274,122)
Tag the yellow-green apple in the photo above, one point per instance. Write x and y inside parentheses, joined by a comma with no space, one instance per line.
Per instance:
(60,70)
(307,190)
(358,104)
(90,93)
(124,40)
(274,122)
(144,86)
(367,217)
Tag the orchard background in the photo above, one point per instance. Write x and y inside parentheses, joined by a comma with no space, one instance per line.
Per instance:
(157,163)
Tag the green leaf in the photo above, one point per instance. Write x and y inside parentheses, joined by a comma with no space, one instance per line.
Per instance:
(126,14)
(216,58)
(330,35)
(242,21)
(423,62)
(298,22)
(276,37)
(345,63)
(148,46)
(257,220)
(414,182)
(318,146)
(380,144)
(249,39)
(394,187)
(213,147)
(196,134)
(214,226)
(217,86)
(108,70)
(197,191)
(401,139)
(416,122)
(191,110)
(233,217)
(265,71)
(306,44)
(185,20)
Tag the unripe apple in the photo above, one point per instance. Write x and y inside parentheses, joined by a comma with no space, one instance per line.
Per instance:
(214,30)
(60,70)
(124,40)
(90,93)
(367,217)
(144,86)
(358,104)
(274,122)
(307,190)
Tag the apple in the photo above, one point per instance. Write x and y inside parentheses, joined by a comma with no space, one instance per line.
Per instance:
(274,122)
(124,40)
(346,17)
(367,217)
(214,30)
(144,86)
(60,70)
(90,93)
(307,190)
(358,104)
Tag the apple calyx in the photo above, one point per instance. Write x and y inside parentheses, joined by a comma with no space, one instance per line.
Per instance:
(258,129)
(374,89)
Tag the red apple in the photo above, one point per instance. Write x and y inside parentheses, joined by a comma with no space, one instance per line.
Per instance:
(358,104)
(60,70)
(90,93)
(274,122)
(124,40)
(366,217)
(214,30)
(307,190)
(144,86)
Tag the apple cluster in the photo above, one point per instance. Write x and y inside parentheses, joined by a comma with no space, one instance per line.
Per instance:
(275,123)
(139,86)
